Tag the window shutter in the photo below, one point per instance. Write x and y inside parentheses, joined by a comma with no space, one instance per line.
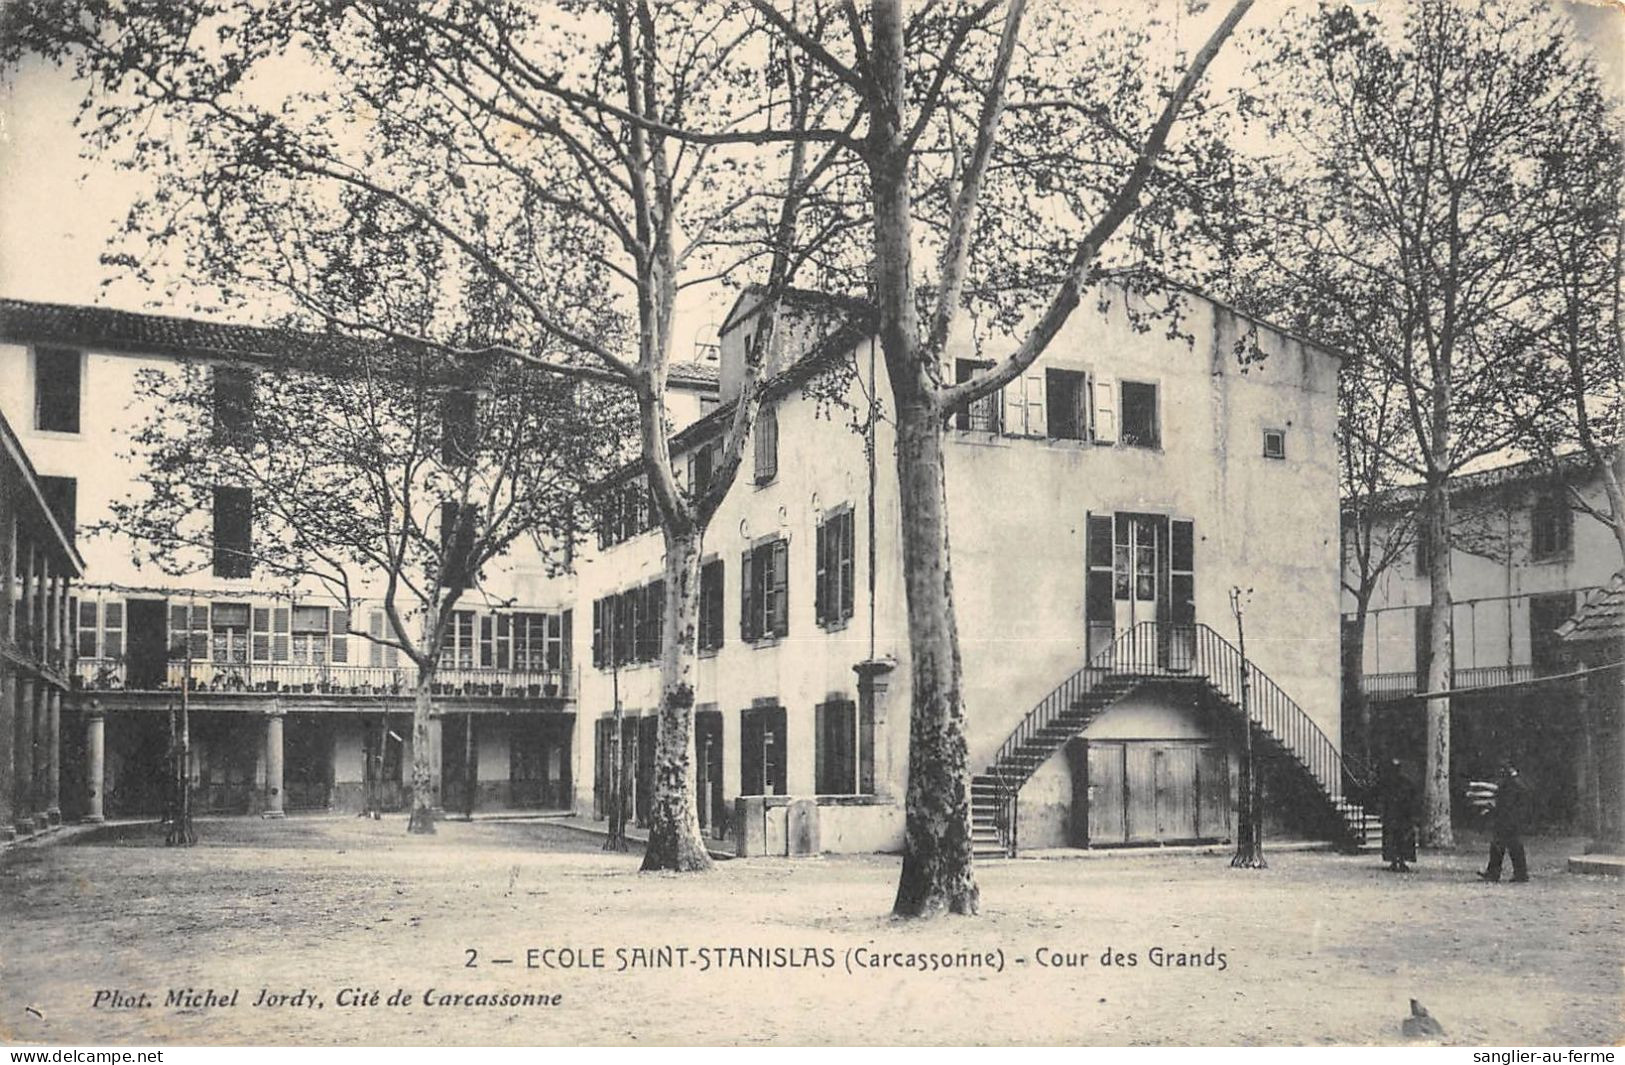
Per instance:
(113,628)
(341,637)
(747,595)
(86,641)
(598,634)
(848,563)
(821,749)
(820,599)
(1015,408)
(1105,409)
(179,629)
(1033,383)
(259,638)
(781,588)
(199,642)
(281,622)
(375,627)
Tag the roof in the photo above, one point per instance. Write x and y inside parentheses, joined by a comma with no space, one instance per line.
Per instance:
(1601,616)
(107,329)
(695,375)
(794,298)
(1556,469)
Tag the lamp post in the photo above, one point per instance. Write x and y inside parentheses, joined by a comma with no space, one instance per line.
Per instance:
(1250,832)
(616,841)
(182,833)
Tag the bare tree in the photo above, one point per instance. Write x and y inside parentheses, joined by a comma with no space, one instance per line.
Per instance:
(654,139)
(1408,194)
(387,473)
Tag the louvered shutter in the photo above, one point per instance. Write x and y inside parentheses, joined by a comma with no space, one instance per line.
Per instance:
(1033,388)
(1012,396)
(748,618)
(821,549)
(781,588)
(1105,409)
(341,638)
(375,627)
(281,623)
(260,634)
(848,563)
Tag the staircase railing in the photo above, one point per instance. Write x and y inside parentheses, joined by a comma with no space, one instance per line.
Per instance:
(1152,649)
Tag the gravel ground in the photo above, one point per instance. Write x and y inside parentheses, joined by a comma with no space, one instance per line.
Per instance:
(1319,948)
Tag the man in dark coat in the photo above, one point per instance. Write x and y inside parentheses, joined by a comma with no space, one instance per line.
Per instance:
(1507,822)
(1399,815)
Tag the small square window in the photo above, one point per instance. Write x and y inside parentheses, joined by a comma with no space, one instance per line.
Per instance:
(1275,443)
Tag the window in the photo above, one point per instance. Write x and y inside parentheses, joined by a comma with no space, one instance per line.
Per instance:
(1066,393)
(1099,613)
(62,496)
(981,415)
(1275,443)
(767,444)
(711,592)
(1424,553)
(626,628)
(189,631)
(459,649)
(1546,613)
(1551,529)
(230,633)
(624,511)
(458,525)
(702,466)
(1024,405)
(1139,415)
(764,580)
(310,635)
(233,404)
(835,565)
(459,422)
(56,389)
(762,755)
(844,762)
(233,532)
(539,642)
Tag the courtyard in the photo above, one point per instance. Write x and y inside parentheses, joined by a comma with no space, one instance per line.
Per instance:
(329,930)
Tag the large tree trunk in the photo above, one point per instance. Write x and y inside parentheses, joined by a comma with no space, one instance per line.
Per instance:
(1436,828)
(674,821)
(937,873)
(422,818)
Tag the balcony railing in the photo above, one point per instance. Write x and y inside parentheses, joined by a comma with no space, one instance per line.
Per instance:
(112,674)
(1407,684)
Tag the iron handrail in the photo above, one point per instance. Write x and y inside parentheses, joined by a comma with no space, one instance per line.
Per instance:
(1151,650)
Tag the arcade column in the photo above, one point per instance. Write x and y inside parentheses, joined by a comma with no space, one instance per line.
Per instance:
(273,765)
(23,785)
(95,763)
(53,755)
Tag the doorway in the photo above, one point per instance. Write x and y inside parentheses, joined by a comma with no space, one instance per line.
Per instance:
(1156,791)
(708,790)
(147,645)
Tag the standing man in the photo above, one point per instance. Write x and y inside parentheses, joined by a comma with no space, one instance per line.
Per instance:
(1507,825)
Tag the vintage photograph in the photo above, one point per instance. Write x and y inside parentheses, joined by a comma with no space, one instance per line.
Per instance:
(812,522)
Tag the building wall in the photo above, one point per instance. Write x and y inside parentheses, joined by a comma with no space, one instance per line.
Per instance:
(1491,584)
(1017,512)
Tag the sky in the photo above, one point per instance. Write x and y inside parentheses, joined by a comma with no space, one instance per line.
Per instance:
(58,208)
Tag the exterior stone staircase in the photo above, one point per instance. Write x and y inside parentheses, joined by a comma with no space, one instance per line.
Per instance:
(1283,734)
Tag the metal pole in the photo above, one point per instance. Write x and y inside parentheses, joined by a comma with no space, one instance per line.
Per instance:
(1249,841)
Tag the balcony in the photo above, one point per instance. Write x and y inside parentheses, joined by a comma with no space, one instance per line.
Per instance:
(298,679)
(1384,686)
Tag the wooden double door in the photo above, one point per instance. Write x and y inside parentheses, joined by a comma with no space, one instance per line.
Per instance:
(1151,791)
